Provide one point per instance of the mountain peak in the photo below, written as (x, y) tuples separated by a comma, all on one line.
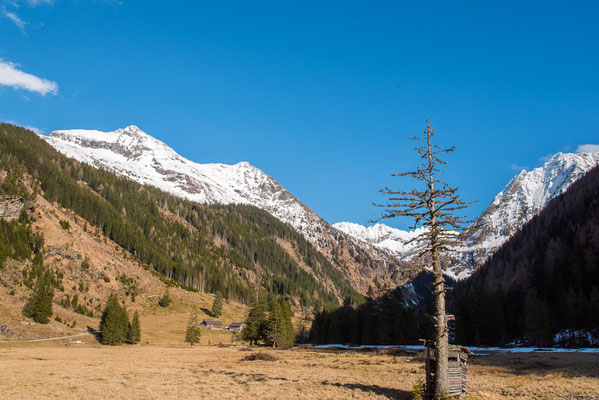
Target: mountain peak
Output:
[(133, 153), (132, 130)]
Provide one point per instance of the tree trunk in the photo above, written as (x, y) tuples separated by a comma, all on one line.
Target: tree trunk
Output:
[(441, 334)]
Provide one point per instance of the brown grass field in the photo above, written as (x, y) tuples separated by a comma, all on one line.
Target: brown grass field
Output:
[(91, 371)]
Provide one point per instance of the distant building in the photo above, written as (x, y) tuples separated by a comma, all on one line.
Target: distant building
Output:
[(235, 326), (212, 324)]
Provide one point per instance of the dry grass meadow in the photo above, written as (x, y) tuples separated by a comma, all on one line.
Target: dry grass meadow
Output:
[(77, 371)]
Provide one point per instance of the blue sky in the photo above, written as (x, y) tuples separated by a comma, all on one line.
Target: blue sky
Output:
[(320, 95)]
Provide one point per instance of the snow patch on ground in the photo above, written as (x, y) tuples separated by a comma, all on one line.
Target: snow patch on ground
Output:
[(472, 349)]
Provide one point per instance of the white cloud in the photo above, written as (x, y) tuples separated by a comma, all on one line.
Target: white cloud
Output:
[(34, 129), (517, 167), (16, 20), (34, 3), (14, 4), (588, 148), (11, 76)]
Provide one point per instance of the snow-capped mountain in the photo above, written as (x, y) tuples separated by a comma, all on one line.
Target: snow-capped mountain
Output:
[(134, 154), (523, 197)]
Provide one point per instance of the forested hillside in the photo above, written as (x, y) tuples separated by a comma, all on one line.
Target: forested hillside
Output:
[(382, 321), (207, 248), (543, 281), (540, 288)]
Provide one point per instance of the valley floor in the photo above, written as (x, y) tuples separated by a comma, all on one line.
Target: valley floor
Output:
[(76, 371)]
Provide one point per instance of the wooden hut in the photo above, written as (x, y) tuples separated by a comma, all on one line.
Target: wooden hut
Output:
[(212, 324), (236, 326), (457, 370)]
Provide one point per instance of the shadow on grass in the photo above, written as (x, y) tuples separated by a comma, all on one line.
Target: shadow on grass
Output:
[(207, 312), (389, 393), (95, 333)]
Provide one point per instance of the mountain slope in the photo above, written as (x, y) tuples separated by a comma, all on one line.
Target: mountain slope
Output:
[(131, 153), (522, 198), (543, 280), (207, 248)]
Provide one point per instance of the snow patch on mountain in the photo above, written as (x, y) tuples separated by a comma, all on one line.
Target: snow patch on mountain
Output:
[(132, 153), (396, 241)]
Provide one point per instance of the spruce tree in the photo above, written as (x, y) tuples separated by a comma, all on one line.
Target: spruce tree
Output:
[(274, 323), (193, 333), (134, 329), (217, 305), (288, 337), (279, 328), (39, 305), (255, 323), (114, 323)]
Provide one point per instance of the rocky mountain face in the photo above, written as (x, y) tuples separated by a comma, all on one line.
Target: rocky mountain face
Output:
[(396, 241), (522, 198), (12, 206), (134, 154)]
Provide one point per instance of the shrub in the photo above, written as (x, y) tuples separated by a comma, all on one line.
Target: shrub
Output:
[(260, 356), (165, 300)]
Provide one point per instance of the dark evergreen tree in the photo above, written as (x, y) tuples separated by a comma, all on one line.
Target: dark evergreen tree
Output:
[(274, 323), (134, 329), (114, 323), (279, 328), (217, 304), (256, 319), (288, 337), (39, 305), (193, 333)]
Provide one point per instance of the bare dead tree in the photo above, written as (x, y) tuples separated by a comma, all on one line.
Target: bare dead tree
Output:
[(434, 208)]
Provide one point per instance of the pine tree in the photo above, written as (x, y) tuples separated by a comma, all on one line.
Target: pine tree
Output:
[(193, 333), (279, 328), (433, 208), (134, 329), (288, 337), (217, 305), (165, 300), (274, 323), (39, 305), (114, 323), (255, 322)]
